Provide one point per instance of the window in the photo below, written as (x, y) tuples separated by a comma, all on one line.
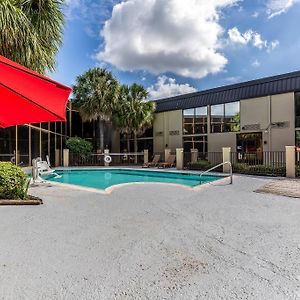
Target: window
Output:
[(225, 117), (195, 142), (297, 109), (195, 121), (232, 116), (217, 118)]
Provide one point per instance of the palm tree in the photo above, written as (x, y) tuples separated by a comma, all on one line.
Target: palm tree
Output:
[(31, 32), (96, 94), (134, 114)]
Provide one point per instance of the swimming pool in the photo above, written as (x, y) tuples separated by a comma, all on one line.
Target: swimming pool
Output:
[(104, 178)]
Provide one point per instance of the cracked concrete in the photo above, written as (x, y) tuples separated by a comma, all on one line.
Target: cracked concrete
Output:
[(152, 242)]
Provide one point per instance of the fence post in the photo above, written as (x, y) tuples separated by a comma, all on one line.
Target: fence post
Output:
[(106, 153), (194, 155), (290, 163), (179, 158), (146, 156), (226, 157), (167, 153), (66, 158)]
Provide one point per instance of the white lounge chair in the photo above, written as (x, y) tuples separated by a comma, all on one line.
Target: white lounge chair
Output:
[(44, 167)]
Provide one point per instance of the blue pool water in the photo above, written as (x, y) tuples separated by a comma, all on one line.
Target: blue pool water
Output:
[(102, 179)]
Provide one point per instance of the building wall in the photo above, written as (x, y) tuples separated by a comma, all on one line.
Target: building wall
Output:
[(283, 110), (216, 141), (167, 130), (256, 115)]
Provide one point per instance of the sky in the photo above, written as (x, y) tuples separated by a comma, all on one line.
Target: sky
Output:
[(175, 47)]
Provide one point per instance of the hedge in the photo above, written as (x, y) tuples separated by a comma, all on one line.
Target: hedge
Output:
[(13, 182)]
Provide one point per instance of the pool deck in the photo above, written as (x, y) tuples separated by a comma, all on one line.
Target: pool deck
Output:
[(152, 241)]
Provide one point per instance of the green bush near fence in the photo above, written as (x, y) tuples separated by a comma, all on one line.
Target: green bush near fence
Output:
[(13, 182), (200, 165), (258, 169), (298, 171), (79, 146)]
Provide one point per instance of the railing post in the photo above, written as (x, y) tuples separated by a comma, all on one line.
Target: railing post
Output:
[(226, 157), (66, 157), (167, 153), (146, 156), (290, 163), (106, 153), (179, 158), (194, 155)]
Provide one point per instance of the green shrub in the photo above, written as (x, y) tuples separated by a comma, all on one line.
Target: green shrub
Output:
[(13, 182), (200, 165), (258, 169), (79, 146)]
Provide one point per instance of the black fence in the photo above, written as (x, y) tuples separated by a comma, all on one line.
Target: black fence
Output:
[(298, 163), (114, 159), (202, 161), (268, 163)]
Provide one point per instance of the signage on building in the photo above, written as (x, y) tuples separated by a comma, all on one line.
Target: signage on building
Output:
[(159, 133), (174, 132)]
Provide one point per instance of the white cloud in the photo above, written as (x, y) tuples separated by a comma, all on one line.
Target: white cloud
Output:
[(255, 63), (278, 7), (168, 87), (255, 14), (161, 36), (251, 37)]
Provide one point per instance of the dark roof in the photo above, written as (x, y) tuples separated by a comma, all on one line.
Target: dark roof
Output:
[(279, 84)]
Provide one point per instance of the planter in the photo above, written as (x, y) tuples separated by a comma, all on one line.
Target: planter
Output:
[(32, 200)]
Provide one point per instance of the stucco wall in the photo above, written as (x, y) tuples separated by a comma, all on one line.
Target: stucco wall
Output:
[(167, 129), (283, 110), (216, 141), (255, 111)]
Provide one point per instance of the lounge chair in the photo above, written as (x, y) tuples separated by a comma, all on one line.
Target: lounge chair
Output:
[(44, 167), (152, 163), (169, 163)]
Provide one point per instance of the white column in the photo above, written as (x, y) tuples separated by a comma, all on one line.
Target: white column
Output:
[(194, 155), (179, 158), (106, 153), (66, 157), (226, 157), (167, 153), (290, 163), (146, 156)]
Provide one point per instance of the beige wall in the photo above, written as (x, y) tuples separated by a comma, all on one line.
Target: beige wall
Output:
[(255, 111), (283, 110), (163, 124), (216, 141)]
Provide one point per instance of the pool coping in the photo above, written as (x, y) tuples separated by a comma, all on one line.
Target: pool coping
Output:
[(112, 188)]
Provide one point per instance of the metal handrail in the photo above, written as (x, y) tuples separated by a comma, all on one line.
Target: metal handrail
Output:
[(219, 165)]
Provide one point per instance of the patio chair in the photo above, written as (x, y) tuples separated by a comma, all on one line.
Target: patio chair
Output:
[(169, 163), (44, 167), (152, 163)]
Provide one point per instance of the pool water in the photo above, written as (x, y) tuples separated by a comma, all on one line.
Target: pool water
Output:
[(102, 179)]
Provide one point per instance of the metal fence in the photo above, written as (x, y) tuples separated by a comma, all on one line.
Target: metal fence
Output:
[(298, 163), (117, 159), (269, 163), (202, 161)]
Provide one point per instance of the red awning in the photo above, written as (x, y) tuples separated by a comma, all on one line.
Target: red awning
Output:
[(28, 97)]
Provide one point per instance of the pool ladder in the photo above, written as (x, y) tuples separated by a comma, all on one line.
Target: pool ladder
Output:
[(219, 165)]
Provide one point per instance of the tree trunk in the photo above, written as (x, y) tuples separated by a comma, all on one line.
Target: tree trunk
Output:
[(135, 148), (101, 134)]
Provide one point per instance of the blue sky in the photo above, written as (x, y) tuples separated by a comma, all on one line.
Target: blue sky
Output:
[(175, 46)]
